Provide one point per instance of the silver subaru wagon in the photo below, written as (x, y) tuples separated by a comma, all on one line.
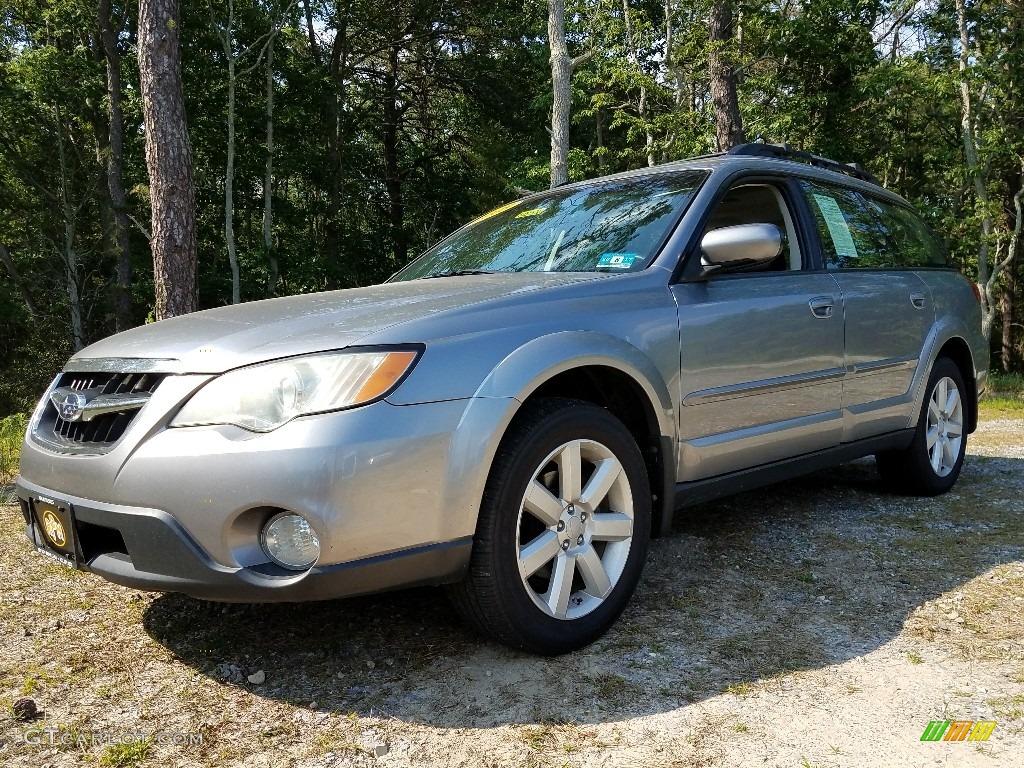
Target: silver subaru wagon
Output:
[(521, 409)]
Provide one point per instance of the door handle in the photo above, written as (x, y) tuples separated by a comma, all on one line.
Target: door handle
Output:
[(821, 307), (917, 299)]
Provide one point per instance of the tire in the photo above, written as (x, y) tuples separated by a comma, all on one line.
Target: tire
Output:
[(557, 553), (931, 464)]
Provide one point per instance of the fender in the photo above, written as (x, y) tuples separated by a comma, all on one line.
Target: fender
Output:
[(498, 398), (537, 361)]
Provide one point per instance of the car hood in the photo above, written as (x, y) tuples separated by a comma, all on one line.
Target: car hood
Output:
[(216, 340)]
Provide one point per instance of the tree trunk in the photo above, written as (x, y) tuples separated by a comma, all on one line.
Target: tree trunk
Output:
[(392, 171), (728, 123), (561, 87), (986, 278), (168, 158), (675, 73), (1006, 310), (68, 254), (229, 185), (336, 133), (314, 49), (115, 171), (70, 258), (268, 180), (634, 58)]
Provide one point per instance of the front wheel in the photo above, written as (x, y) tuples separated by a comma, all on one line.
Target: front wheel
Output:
[(932, 462), (563, 530)]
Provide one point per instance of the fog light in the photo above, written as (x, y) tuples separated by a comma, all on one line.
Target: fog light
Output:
[(290, 542)]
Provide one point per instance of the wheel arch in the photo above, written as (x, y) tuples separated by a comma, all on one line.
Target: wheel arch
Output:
[(949, 337), (957, 350), (610, 373)]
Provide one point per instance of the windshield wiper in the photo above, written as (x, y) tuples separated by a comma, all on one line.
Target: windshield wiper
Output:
[(458, 273)]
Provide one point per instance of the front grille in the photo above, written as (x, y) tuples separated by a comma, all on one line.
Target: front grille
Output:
[(102, 429)]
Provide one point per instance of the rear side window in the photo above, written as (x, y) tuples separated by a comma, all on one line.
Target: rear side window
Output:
[(912, 242), (851, 235)]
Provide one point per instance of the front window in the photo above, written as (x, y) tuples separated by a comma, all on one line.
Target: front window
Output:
[(609, 226)]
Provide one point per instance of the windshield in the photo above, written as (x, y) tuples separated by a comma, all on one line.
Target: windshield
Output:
[(611, 226)]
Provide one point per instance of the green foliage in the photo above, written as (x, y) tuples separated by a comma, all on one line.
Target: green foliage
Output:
[(395, 124), (12, 432)]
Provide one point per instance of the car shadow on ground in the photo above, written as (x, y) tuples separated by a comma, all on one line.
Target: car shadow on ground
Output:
[(795, 577)]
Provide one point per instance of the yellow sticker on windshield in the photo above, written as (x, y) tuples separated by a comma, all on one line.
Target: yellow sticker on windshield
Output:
[(529, 212), (496, 211)]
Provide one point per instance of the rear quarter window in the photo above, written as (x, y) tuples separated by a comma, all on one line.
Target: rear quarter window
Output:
[(913, 244)]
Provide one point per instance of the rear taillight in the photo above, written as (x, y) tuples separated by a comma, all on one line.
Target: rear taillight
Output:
[(977, 291)]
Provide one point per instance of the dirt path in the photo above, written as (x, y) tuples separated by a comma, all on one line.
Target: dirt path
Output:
[(822, 623)]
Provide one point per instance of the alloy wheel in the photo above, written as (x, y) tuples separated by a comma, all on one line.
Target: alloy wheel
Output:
[(945, 426), (575, 529)]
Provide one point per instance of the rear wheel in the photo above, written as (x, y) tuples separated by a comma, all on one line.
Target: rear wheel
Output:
[(563, 530), (932, 462)]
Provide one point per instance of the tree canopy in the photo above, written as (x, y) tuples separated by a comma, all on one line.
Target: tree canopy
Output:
[(361, 133)]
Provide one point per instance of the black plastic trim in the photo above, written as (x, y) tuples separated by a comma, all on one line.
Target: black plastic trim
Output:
[(700, 491), (786, 152)]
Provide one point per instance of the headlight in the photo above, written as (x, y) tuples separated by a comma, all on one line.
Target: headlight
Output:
[(264, 397)]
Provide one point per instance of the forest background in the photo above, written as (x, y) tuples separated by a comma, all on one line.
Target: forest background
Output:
[(331, 141)]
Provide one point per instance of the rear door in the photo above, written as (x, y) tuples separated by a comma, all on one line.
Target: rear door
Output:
[(761, 353), (888, 309)]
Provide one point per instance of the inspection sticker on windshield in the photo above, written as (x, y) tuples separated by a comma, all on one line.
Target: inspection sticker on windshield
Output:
[(617, 260)]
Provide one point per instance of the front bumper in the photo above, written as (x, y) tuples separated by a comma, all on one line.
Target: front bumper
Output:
[(147, 549), (391, 491)]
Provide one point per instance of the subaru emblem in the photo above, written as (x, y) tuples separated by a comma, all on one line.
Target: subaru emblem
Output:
[(69, 405)]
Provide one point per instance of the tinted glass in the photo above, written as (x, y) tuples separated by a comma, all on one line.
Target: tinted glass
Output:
[(851, 236), (613, 226), (913, 243)]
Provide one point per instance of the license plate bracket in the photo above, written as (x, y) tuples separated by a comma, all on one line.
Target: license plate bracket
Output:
[(55, 533)]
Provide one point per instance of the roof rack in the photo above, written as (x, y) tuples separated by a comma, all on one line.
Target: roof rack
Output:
[(786, 152)]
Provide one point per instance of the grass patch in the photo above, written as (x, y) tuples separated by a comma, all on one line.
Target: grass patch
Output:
[(537, 737), (740, 689), (982, 619), (125, 755), (1006, 383), (1000, 407), (610, 686), (1005, 398), (915, 658), (557, 736), (1008, 707)]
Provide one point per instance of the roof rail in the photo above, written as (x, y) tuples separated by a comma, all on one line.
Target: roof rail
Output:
[(786, 152)]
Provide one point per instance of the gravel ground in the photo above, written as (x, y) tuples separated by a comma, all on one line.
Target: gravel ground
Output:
[(818, 623)]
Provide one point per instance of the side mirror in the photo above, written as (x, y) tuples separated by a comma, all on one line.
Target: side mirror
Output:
[(741, 246)]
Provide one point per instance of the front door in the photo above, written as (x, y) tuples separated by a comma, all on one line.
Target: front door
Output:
[(761, 353)]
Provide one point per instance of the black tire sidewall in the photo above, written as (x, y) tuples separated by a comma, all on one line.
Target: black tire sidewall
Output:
[(574, 421)]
